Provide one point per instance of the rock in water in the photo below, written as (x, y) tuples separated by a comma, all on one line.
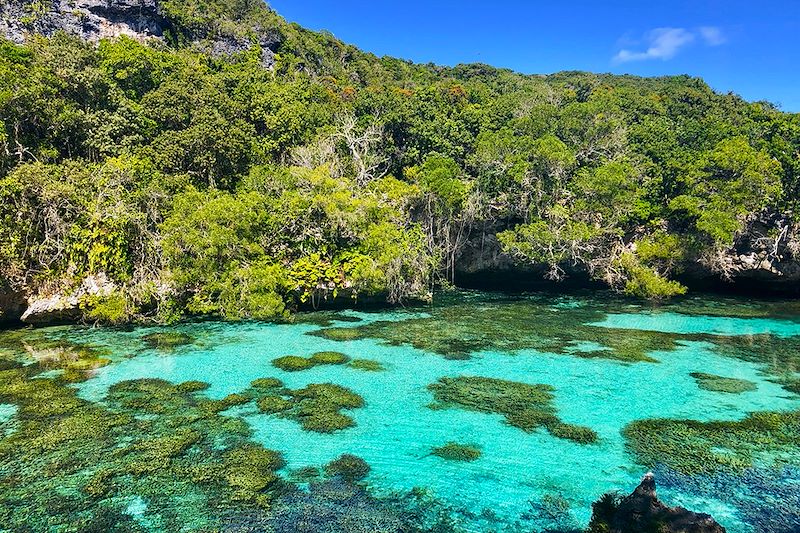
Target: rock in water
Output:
[(642, 511)]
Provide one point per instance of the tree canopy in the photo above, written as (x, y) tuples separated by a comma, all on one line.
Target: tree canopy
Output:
[(209, 184)]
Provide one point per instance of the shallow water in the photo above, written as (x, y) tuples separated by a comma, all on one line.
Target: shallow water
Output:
[(609, 362)]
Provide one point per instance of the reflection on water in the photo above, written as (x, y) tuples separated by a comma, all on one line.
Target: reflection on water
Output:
[(559, 400)]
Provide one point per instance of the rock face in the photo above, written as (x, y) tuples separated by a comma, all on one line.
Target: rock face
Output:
[(93, 20), (58, 308), (90, 19), (766, 256), (642, 511), (12, 304)]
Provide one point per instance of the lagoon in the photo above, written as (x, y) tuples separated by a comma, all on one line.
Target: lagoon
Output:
[(600, 363)]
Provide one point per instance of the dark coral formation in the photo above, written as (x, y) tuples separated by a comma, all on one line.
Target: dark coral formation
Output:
[(524, 406), (317, 407), (453, 451), (714, 383), (693, 447)]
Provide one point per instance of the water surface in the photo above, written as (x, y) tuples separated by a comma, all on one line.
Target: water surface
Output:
[(609, 362)]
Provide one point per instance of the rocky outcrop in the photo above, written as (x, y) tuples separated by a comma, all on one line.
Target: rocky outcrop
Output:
[(643, 511), (764, 257), (230, 45), (769, 250), (89, 19), (142, 20), (59, 308)]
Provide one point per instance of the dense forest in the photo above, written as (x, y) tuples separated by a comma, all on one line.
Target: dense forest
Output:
[(245, 182)]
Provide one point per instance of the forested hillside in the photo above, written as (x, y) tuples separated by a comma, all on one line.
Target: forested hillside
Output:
[(228, 163)]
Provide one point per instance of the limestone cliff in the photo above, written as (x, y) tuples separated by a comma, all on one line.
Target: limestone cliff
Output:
[(142, 20)]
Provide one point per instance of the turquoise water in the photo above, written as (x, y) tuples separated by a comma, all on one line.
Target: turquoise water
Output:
[(396, 430)]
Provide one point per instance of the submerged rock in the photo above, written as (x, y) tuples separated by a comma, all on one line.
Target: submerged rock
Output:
[(643, 511)]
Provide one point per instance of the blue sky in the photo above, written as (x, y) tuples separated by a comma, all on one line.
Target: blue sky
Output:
[(748, 47)]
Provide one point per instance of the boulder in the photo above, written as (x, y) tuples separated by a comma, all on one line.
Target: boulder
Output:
[(643, 511), (59, 307)]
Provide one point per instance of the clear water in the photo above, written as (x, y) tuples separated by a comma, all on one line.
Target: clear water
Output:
[(396, 430)]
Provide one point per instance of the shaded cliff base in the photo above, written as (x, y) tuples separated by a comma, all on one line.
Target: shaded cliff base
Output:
[(17, 309), (528, 280)]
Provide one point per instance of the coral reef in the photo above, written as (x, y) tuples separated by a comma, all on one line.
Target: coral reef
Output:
[(329, 358), (692, 447), (339, 334), (293, 363), (524, 406), (458, 330), (767, 499), (452, 451), (167, 340), (317, 407), (367, 365), (714, 383), (349, 467), (71, 463)]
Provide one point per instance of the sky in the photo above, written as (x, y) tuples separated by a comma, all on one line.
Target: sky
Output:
[(748, 47)]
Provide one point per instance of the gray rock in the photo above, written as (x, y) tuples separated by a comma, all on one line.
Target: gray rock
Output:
[(55, 308), (89, 19), (142, 20)]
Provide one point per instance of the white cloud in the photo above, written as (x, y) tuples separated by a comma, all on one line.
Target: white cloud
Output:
[(712, 35), (665, 43)]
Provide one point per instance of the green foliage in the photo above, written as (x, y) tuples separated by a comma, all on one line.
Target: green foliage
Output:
[(644, 282), (168, 170), (114, 308), (439, 176), (726, 184)]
